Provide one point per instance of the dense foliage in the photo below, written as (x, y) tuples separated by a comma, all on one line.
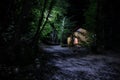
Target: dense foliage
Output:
[(24, 23)]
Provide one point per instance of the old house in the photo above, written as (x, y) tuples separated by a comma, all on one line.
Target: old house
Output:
[(79, 36)]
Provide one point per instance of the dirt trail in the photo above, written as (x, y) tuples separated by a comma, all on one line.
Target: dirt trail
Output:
[(65, 64)]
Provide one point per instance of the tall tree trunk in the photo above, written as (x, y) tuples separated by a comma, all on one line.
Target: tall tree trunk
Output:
[(49, 11), (38, 32), (20, 21), (36, 36)]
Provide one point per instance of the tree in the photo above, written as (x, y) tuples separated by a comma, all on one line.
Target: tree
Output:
[(55, 18), (21, 24), (90, 16), (17, 24), (107, 22)]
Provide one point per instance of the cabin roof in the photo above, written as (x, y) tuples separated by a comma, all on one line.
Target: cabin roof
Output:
[(76, 28)]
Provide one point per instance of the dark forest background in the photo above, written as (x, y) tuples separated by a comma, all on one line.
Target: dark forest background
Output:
[(24, 24)]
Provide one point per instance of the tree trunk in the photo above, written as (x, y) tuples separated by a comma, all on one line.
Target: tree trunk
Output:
[(38, 32), (36, 36)]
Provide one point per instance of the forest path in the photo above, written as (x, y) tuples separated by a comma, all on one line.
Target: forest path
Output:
[(62, 63)]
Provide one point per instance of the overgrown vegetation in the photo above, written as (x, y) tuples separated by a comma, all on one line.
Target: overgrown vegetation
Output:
[(24, 23)]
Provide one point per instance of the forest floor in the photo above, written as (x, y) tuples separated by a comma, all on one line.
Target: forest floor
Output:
[(63, 63), (75, 63)]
